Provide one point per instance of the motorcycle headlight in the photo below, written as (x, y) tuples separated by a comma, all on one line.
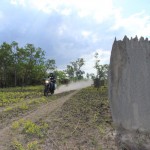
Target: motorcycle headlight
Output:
[(46, 81)]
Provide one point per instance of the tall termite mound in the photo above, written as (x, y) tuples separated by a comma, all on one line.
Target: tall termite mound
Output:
[(129, 91)]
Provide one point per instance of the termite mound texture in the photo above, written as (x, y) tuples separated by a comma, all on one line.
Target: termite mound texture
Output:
[(129, 84)]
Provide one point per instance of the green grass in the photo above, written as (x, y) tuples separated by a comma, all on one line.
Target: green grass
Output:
[(19, 103), (83, 122), (9, 96)]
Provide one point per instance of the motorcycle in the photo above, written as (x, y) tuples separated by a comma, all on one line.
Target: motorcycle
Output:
[(49, 87)]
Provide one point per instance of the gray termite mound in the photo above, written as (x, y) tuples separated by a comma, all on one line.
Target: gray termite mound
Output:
[(129, 84)]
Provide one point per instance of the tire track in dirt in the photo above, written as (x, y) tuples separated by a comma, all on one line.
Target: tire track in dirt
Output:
[(6, 133), (46, 109)]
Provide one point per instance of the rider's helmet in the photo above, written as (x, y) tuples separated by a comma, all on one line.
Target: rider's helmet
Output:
[(51, 74)]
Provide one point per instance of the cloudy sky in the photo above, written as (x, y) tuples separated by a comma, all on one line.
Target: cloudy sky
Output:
[(71, 29)]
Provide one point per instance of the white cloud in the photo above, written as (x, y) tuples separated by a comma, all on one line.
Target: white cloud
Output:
[(92, 36), (104, 57), (66, 12), (62, 29), (3, 21), (1, 15), (85, 34), (18, 2), (99, 10), (95, 38), (14, 2), (136, 24)]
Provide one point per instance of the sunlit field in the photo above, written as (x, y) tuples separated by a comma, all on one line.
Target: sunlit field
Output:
[(9, 96), (83, 122)]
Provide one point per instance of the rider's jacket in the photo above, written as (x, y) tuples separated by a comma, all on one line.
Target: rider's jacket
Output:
[(52, 79)]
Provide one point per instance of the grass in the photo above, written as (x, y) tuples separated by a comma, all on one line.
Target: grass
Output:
[(83, 122), (9, 96), (23, 102)]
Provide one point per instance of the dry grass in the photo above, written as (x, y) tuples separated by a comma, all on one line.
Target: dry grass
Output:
[(82, 122)]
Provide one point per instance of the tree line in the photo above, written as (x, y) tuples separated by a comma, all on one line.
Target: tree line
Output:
[(20, 65), (28, 66)]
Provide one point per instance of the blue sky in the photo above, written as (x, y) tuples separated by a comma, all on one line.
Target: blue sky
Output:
[(71, 29)]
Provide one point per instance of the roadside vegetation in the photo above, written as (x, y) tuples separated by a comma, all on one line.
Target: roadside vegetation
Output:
[(16, 102), (83, 122)]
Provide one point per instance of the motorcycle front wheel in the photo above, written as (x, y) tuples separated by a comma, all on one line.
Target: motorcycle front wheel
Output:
[(52, 91), (45, 92)]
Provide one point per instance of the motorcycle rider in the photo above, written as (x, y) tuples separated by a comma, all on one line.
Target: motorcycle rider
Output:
[(52, 80)]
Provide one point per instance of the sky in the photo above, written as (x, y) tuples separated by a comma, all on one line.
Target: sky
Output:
[(70, 29)]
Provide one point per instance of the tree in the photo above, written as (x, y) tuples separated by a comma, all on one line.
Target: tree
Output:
[(76, 68), (29, 64), (21, 65), (87, 75), (62, 77), (34, 62), (102, 70), (14, 46), (50, 65), (6, 58), (70, 71)]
